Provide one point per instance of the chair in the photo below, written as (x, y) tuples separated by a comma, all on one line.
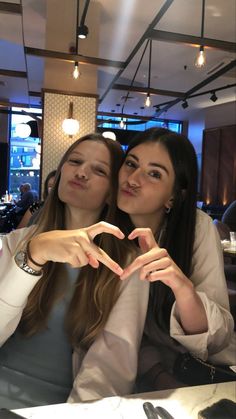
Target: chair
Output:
[(223, 229), (229, 216)]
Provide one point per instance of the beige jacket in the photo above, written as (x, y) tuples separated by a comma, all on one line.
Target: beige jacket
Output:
[(110, 365), (218, 344)]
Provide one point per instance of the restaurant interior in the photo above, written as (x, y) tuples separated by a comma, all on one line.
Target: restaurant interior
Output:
[(71, 67)]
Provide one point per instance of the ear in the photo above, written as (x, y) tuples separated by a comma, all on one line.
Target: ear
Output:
[(169, 203)]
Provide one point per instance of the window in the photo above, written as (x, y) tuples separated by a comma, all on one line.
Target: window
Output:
[(25, 154)]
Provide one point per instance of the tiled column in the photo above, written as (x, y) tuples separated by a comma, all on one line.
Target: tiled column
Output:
[(55, 142)]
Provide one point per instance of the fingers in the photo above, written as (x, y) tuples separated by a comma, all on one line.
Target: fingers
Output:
[(103, 227), (157, 265), (95, 253), (93, 261), (99, 255), (163, 275), (146, 238), (140, 261)]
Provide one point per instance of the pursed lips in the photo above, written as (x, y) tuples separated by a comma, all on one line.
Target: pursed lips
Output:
[(128, 191), (77, 184)]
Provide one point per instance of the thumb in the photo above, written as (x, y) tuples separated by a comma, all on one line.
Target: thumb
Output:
[(143, 244)]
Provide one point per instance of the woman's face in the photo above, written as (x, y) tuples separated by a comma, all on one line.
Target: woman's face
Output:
[(146, 181), (85, 176)]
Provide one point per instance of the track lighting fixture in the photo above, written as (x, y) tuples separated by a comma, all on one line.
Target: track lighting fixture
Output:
[(76, 73), (185, 104), (201, 59), (83, 31), (213, 97)]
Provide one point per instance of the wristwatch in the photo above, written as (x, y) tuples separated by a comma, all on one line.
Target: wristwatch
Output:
[(21, 261)]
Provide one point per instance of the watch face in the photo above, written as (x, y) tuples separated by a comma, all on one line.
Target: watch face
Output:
[(21, 261), (20, 257)]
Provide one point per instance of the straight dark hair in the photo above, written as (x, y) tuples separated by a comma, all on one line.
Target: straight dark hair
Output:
[(179, 226)]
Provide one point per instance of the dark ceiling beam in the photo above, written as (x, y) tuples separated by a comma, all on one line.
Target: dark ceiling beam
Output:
[(206, 92), (199, 86), (138, 89), (122, 115), (17, 104), (73, 57), (10, 112), (154, 22), (35, 94), (13, 73), (218, 89), (10, 8), (179, 38), (129, 116)]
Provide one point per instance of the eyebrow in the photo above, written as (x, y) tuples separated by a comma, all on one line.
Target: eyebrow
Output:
[(81, 155), (159, 165)]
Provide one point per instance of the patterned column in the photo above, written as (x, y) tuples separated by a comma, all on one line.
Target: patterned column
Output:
[(55, 142)]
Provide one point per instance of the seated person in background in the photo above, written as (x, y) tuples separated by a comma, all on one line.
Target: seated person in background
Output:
[(229, 216), (188, 313), (34, 208), (14, 215), (27, 198)]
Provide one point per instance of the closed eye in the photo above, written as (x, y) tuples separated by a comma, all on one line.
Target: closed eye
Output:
[(101, 171), (75, 161)]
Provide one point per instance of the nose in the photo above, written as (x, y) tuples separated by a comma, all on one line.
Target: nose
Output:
[(135, 178), (82, 172)]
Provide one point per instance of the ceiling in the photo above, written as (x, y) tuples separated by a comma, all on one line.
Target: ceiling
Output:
[(38, 48)]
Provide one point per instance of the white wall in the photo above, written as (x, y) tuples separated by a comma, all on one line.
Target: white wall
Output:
[(218, 116)]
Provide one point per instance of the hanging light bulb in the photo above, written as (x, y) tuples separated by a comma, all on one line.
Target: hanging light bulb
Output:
[(23, 130), (148, 101), (122, 124), (109, 134), (76, 72), (201, 59)]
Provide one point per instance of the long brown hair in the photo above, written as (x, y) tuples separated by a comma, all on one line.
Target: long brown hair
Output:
[(96, 290)]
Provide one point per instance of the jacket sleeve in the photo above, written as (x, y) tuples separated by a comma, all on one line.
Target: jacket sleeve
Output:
[(109, 367), (210, 284), (15, 285)]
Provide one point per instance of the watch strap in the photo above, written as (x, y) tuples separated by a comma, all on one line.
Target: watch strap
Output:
[(29, 257)]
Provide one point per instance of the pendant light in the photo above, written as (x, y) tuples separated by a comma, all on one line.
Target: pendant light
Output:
[(148, 99), (201, 59), (70, 125)]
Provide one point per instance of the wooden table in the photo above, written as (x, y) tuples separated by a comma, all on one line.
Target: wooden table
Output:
[(182, 403)]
